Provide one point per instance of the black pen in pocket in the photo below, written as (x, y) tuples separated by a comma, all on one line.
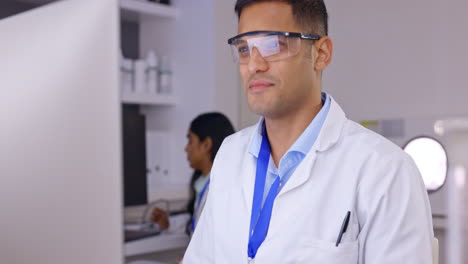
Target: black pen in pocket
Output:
[(344, 227)]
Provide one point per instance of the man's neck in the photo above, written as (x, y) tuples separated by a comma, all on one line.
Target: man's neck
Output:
[(284, 131)]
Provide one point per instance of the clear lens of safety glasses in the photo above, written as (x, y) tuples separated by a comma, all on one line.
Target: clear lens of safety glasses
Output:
[(272, 46)]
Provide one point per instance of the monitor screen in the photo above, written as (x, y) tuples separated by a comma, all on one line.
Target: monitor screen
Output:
[(134, 155)]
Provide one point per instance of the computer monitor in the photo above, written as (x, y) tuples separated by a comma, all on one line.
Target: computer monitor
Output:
[(60, 135), (134, 156)]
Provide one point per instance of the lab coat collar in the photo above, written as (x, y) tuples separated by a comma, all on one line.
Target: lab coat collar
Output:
[(307, 138), (332, 128), (328, 136)]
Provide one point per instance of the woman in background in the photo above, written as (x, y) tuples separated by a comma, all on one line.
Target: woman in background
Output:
[(206, 133)]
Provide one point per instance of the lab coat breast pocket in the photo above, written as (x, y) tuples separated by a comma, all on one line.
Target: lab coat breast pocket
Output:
[(323, 252)]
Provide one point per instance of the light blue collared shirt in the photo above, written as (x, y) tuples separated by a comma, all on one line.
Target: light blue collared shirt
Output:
[(296, 152)]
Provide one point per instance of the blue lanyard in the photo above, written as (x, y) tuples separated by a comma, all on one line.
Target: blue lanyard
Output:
[(200, 197), (260, 217)]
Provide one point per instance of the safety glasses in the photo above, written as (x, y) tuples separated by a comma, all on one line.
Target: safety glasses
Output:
[(272, 45)]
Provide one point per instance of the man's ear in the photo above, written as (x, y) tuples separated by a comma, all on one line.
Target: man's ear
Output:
[(324, 52)]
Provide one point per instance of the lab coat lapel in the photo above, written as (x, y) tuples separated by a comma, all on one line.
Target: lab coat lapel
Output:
[(328, 136), (248, 179), (301, 174)]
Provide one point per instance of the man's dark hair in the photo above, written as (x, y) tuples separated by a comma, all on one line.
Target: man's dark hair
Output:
[(311, 15)]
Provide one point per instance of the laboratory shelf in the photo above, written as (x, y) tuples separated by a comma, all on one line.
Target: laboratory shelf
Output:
[(149, 99), (158, 243), (136, 10)]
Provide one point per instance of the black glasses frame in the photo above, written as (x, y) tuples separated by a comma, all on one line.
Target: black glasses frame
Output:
[(286, 34)]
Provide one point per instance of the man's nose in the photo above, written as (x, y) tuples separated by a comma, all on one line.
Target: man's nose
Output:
[(257, 62)]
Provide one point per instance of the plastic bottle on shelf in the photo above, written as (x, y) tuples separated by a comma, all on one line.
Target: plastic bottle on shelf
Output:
[(152, 72), (140, 85), (126, 74), (165, 76)]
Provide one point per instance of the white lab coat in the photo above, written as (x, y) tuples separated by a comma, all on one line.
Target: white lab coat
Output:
[(349, 168)]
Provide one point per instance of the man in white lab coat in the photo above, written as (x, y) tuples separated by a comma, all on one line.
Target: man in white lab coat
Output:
[(305, 185)]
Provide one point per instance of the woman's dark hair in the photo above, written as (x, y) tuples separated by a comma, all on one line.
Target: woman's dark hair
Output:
[(216, 126)]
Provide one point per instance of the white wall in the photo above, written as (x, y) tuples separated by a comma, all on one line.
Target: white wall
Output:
[(60, 157), (226, 74), (399, 58)]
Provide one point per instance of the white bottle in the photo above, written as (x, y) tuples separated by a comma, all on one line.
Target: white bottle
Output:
[(140, 85), (126, 75), (165, 76), (152, 72)]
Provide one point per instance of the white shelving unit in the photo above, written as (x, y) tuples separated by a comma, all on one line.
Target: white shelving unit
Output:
[(136, 10), (149, 99), (192, 33), (156, 106), (162, 242), (140, 11)]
